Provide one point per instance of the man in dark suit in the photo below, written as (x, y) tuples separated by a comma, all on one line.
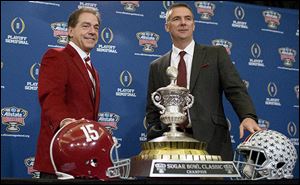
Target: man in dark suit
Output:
[(68, 89), (210, 73)]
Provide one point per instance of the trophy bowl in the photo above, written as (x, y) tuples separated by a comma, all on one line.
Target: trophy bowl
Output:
[(173, 102)]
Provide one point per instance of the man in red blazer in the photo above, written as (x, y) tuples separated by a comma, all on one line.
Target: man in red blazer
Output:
[(67, 90)]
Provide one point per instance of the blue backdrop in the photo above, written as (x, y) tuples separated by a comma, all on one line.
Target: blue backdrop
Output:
[(263, 43)]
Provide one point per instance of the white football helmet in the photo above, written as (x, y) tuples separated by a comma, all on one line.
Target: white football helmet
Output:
[(265, 154)]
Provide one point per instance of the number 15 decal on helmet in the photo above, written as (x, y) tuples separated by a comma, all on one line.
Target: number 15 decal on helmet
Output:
[(85, 149)]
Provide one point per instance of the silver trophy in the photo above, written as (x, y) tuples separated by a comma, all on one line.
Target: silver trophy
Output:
[(174, 102), (176, 154)]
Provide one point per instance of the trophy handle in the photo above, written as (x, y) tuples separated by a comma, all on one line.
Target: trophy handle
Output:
[(156, 99), (189, 101)]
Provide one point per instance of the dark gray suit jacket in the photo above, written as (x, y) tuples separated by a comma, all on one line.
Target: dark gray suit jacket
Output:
[(212, 75)]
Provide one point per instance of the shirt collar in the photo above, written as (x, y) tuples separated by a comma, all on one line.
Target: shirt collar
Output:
[(189, 49), (81, 53)]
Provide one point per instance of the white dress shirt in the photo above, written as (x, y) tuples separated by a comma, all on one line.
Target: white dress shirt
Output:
[(188, 57)]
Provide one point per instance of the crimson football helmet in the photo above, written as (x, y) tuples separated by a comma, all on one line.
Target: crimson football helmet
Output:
[(265, 154), (85, 149)]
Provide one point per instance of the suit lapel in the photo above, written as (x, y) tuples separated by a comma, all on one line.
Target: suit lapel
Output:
[(198, 60), (97, 95), (80, 65)]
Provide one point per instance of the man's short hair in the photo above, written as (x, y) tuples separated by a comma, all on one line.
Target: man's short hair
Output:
[(175, 5), (73, 19)]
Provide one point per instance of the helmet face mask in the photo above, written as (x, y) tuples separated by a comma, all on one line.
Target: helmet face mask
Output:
[(85, 149), (120, 168), (266, 154), (250, 164)]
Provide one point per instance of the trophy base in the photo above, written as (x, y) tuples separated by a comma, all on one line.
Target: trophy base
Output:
[(214, 170), (175, 151), (163, 157)]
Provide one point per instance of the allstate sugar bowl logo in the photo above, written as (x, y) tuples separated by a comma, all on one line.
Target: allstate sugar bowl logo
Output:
[(13, 117), (272, 18), (130, 6), (148, 40), (224, 43), (287, 56), (205, 9), (109, 120), (60, 31)]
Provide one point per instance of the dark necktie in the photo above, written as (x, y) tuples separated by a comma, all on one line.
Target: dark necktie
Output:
[(181, 79), (92, 72), (182, 82)]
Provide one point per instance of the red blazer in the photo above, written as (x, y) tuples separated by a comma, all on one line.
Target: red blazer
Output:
[(64, 91)]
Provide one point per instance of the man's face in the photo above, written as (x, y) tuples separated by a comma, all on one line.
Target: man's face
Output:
[(181, 24), (86, 32)]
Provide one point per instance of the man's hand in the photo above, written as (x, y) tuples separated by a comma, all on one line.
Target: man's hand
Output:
[(250, 125)]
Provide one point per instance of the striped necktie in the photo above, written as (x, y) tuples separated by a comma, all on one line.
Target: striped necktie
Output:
[(92, 73)]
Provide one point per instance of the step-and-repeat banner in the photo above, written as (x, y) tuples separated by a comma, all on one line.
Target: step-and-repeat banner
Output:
[(262, 42)]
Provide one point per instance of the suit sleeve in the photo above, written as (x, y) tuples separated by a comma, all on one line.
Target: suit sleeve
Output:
[(234, 88), (52, 88)]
